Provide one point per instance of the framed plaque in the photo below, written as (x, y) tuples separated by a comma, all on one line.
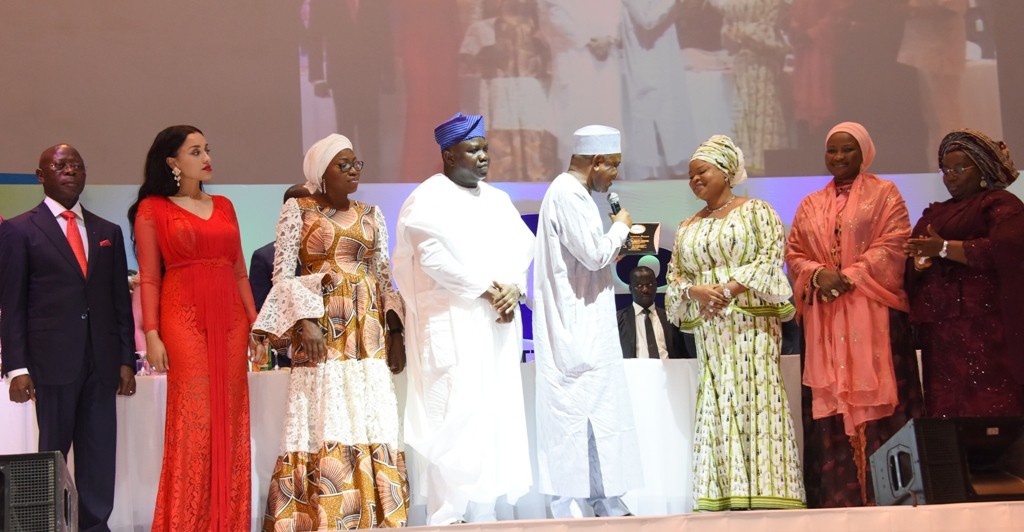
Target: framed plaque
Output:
[(642, 240)]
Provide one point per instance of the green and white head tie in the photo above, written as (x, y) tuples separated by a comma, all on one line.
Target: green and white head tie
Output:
[(720, 151)]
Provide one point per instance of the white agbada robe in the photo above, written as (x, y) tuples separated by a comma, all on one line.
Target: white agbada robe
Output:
[(658, 133), (580, 374), (464, 417), (584, 90)]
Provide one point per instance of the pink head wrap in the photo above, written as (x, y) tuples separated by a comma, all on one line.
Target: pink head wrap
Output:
[(860, 134)]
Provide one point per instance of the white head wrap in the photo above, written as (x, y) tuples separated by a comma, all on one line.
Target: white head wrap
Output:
[(319, 156), (597, 140)]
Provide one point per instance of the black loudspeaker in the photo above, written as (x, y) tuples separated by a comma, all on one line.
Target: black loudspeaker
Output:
[(37, 493), (934, 461)]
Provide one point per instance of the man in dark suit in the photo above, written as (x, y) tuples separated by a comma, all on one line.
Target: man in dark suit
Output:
[(642, 320), (67, 327), (261, 274)]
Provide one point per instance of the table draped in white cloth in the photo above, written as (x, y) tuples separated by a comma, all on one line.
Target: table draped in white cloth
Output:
[(663, 395)]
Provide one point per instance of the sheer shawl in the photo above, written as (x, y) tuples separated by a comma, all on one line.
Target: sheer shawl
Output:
[(848, 355)]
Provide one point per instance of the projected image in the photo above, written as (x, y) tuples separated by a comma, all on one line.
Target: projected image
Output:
[(773, 74)]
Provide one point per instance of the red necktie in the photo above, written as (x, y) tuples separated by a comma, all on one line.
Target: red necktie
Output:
[(75, 239)]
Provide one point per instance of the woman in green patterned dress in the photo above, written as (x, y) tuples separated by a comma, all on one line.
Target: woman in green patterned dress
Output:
[(726, 285)]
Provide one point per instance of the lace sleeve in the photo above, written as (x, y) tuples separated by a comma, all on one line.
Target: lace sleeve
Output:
[(381, 267), (292, 298), (147, 248)]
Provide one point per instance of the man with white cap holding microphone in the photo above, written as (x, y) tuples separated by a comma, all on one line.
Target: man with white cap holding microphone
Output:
[(586, 441)]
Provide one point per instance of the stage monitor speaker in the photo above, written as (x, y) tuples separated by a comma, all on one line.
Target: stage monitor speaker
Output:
[(934, 461), (37, 493)]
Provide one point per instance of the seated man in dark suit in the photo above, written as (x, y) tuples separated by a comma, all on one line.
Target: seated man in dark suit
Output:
[(642, 320), (261, 272)]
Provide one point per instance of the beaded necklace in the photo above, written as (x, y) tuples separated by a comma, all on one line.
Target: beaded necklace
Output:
[(726, 204)]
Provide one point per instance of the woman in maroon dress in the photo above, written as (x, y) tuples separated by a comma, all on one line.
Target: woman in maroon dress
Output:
[(967, 282)]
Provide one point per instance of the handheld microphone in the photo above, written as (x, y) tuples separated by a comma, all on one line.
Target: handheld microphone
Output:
[(613, 202)]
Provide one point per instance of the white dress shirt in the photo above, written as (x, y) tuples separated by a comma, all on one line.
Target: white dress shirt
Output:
[(57, 208), (641, 332)]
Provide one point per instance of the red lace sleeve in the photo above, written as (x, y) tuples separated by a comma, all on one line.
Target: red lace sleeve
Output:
[(147, 248)]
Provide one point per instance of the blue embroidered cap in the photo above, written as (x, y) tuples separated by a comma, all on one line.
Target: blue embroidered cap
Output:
[(459, 128)]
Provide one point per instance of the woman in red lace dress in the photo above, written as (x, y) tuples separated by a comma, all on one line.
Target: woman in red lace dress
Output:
[(197, 308)]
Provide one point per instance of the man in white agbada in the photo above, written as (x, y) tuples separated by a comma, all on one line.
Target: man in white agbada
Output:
[(461, 259), (586, 441)]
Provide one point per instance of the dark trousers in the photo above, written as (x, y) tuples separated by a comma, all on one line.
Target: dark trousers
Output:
[(83, 414)]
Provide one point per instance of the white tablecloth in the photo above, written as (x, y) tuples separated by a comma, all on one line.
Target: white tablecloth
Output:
[(663, 395)]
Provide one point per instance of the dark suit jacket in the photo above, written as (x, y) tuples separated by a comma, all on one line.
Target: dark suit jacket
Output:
[(261, 272), (627, 334), (50, 309), (261, 279)]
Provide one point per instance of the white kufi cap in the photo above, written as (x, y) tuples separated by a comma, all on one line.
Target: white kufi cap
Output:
[(597, 140)]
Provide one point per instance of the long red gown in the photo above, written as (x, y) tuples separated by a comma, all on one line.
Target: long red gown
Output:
[(196, 293)]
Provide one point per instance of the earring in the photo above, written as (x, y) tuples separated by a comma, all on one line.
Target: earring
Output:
[(984, 184), (177, 176)]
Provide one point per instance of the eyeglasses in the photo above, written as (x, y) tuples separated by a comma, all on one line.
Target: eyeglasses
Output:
[(346, 166), (60, 166), (957, 170)]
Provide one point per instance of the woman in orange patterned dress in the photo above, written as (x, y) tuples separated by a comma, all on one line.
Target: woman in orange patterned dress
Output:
[(340, 467), (197, 308)]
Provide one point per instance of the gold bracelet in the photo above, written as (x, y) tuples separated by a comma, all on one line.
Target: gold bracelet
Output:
[(814, 277)]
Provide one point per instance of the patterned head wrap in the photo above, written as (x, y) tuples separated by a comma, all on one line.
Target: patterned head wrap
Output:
[(458, 128), (860, 134), (720, 151), (319, 156), (992, 158)]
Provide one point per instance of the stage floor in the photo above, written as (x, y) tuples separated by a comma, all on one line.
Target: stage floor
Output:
[(967, 517)]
